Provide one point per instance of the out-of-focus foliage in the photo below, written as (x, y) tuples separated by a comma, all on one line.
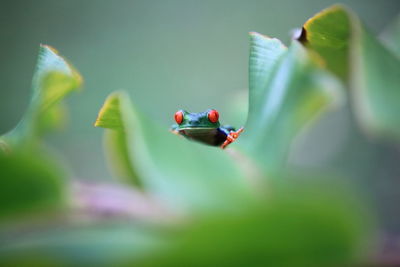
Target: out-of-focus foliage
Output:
[(283, 103), (303, 228), (371, 70), (67, 243), (235, 207), (29, 185), (31, 182), (328, 33), (54, 78)]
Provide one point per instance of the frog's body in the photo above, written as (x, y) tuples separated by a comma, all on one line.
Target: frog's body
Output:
[(209, 136), (204, 127)]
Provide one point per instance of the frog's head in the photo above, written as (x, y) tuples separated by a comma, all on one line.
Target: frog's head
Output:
[(198, 121)]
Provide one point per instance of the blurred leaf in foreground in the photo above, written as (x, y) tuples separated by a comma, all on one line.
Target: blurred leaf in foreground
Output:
[(54, 78), (298, 225), (77, 244), (339, 37), (30, 182), (29, 185)]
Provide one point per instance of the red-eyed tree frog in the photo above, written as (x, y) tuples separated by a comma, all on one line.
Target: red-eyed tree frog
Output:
[(204, 127)]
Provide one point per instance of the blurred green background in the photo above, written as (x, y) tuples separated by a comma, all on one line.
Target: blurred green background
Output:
[(166, 54)]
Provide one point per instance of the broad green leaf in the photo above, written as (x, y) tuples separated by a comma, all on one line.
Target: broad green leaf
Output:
[(339, 37), (115, 140), (182, 173), (54, 78), (29, 185), (53, 119), (329, 38), (297, 91), (264, 55), (375, 85)]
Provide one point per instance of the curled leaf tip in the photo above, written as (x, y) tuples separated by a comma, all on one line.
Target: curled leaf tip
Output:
[(263, 37), (332, 9), (52, 49), (256, 34), (109, 114), (303, 36)]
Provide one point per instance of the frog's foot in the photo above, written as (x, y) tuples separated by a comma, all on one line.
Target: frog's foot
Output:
[(174, 132), (231, 137)]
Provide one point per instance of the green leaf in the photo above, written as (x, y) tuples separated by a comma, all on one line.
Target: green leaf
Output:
[(327, 33), (297, 91), (182, 173), (339, 37), (54, 78), (29, 185), (375, 85), (298, 225), (53, 119), (264, 55), (98, 243), (115, 140)]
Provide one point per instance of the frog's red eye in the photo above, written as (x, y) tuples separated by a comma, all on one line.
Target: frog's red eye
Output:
[(179, 117), (213, 116)]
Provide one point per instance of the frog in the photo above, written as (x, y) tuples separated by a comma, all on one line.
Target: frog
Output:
[(204, 127)]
